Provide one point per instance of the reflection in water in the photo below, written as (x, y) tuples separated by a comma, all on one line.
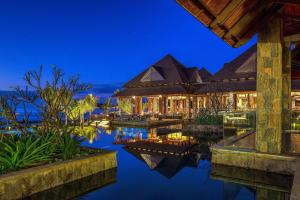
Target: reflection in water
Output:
[(148, 175), (79, 187), (265, 185)]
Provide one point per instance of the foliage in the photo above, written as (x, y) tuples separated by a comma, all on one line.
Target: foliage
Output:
[(124, 105), (145, 106), (207, 118), (107, 105), (25, 151), (91, 103), (53, 138), (68, 145), (50, 98), (8, 107), (88, 132), (77, 109)]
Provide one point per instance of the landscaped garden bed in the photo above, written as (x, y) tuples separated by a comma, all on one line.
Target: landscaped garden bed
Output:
[(48, 154), (26, 182)]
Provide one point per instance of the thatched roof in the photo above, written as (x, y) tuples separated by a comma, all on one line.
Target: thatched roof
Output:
[(167, 76), (243, 66), (167, 71)]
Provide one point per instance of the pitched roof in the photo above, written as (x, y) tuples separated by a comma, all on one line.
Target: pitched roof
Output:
[(204, 74), (168, 67), (243, 66), (168, 71)]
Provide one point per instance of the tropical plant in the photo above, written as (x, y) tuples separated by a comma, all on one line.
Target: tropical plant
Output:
[(145, 106), (25, 151), (107, 105), (205, 117), (68, 145), (50, 98), (124, 105), (91, 104)]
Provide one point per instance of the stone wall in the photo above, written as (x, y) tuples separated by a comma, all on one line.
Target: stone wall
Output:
[(27, 182), (254, 160)]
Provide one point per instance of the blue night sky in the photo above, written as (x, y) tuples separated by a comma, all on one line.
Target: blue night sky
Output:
[(105, 42)]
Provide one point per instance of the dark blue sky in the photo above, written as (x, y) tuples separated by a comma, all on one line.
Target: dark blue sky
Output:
[(106, 42)]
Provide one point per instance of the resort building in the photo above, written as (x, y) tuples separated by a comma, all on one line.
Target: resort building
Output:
[(164, 88), (169, 88), (235, 83)]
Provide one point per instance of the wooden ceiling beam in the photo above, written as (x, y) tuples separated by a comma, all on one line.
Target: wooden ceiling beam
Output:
[(197, 10), (228, 10), (244, 21), (292, 38), (256, 25)]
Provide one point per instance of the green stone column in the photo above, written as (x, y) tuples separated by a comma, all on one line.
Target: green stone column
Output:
[(273, 89)]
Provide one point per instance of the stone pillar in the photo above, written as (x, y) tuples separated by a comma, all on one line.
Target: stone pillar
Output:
[(287, 99), (273, 89)]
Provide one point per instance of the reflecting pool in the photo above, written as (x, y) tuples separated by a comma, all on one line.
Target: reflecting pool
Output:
[(175, 178), (151, 175)]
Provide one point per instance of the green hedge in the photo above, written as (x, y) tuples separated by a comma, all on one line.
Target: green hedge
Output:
[(209, 120)]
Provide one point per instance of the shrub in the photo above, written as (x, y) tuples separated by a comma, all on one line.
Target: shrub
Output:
[(68, 145), (25, 151), (209, 119)]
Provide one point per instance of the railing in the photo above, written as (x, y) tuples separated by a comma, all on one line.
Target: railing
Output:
[(239, 128), (292, 134)]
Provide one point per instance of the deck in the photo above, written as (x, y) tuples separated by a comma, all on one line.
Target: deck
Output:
[(146, 124), (160, 148)]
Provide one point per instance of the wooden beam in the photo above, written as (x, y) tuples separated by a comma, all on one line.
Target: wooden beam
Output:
[(250, 14), (228, 10), (292, 38), (257, 24)]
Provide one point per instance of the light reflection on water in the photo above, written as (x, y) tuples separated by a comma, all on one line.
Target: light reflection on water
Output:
[(136, 180)]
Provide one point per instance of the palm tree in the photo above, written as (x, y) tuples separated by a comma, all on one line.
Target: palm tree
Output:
[(91, 104), (107, 104)]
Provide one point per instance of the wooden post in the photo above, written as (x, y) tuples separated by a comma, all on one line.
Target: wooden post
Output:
[(273, 89), (195, 106)]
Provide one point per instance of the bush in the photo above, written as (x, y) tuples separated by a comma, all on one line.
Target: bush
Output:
[(209, 119), (25, 151), (68, 145)]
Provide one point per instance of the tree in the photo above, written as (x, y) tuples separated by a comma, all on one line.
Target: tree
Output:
[(51, 98), (107, 105), (91, 104), (124, 105)]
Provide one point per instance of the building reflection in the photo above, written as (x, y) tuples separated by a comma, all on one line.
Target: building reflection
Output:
[(165, 135)]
